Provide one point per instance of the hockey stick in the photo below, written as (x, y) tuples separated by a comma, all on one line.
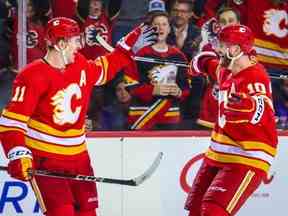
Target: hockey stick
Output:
[(109, 48), (130, 182), (38, 194)]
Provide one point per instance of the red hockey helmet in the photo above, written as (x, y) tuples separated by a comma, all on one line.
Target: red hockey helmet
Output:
[(238, 34), (59, 28)]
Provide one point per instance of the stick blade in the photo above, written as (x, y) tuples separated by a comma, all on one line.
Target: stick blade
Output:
[(149, 172)]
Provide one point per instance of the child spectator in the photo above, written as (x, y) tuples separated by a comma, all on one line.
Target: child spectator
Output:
[(156, 89)]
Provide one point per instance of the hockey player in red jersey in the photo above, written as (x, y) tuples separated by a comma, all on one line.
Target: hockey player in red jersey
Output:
[(209, 104), (244, 139), (43, 125)]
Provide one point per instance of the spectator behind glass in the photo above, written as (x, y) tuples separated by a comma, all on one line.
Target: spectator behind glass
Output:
[(93, 118), (7, 75), (36, 23), (281, 105), (4, 41), (132, 13), (110, 106), (95, 19), (209, 103), (157, 89), (184, 34), (113, 115)]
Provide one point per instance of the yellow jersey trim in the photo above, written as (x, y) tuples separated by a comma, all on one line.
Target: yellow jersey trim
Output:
[(15, 116), (205, 123), (44, 128), (224, 158), (6, 129), (270, 45), (241, 189), (272, 60), (247, 145), (54, 149)]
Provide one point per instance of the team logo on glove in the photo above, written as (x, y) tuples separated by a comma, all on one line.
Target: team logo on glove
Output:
[(92, 31)]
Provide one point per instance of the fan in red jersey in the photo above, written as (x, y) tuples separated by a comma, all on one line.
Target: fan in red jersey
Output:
[(36, 23), (96, 19), (156, 89), (42, 127), (244, 139)]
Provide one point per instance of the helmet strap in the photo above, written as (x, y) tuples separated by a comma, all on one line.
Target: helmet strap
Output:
[(63, 54), (232, 58)]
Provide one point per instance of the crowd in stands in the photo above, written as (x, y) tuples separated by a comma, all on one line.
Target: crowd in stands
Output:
[(138, 99)]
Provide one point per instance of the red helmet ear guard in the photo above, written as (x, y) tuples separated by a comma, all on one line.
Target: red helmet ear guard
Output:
[(61, 27), (238, 34)]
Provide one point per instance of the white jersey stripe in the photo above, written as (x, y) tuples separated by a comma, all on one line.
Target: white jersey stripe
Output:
[(55, 140), (271, 53), (239, 151), (12, 123)]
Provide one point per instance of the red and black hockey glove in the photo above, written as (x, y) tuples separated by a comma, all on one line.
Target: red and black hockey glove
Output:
[(197, 64), (243, 108)]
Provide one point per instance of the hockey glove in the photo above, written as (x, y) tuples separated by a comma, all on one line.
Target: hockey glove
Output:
[(243, 108), (197, 64), (20, 161), (90, 35), (141, 36)]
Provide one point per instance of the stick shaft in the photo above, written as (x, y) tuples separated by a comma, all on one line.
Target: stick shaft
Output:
[(109, 48), (38, 195), (129, 182)]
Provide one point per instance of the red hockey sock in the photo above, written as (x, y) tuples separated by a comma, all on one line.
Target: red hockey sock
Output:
[(61, 210), (212, 209), (87, 213)]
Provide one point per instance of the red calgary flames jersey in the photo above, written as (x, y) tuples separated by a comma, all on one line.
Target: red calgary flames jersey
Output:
[(269, 23), (245, 143), (48, 107)]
